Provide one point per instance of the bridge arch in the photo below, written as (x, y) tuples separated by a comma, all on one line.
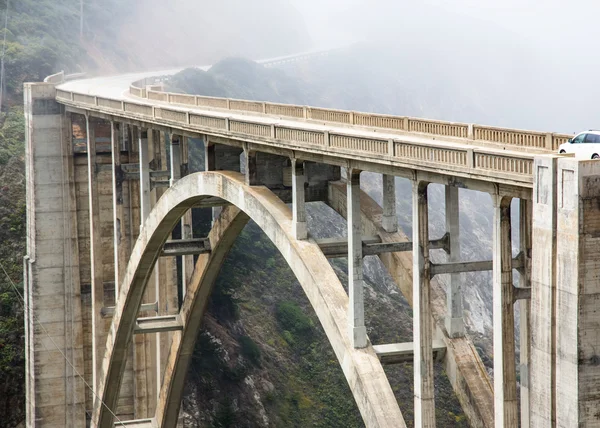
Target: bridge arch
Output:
[(361, 367)]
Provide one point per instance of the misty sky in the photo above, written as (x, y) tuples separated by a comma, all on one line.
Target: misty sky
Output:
[(524, 63)]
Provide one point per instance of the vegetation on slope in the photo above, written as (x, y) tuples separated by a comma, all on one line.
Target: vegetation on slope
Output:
[(42, 38), (262, 356)]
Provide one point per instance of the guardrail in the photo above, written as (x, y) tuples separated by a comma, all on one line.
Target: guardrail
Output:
[(55, 78), (517, 138), (488, 162)]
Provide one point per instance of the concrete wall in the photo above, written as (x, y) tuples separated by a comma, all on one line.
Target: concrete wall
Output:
[(54, 351)]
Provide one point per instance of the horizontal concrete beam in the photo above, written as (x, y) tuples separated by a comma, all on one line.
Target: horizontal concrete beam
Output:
[(372, 245), (138, 423), (158, 324), (186, 247), (108, 311), (461, 267), (394, 353), (521, 293)]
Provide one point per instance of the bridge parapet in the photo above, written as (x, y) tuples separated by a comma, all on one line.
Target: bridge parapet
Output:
[(249, 120), (465, 131)]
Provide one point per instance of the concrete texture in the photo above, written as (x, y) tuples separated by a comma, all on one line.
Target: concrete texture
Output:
[(53, 328), (505, 376), (422, 323), (455, 324), (362, 369), (463, 365), (577, 293)]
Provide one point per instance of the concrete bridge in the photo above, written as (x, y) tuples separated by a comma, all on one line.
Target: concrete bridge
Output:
[(109, 335)]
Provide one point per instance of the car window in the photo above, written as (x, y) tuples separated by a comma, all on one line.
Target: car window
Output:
[(578, 139), (592, 138)]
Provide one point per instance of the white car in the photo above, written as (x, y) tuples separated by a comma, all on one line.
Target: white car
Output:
[(585, 145)]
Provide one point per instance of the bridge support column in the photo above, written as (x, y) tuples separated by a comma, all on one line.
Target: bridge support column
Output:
[(525, 215), (389, 220), (187, 262), (356, 306), (578, 293), (505, 376), (146, 348), (543, 294), (55, 394), (422, 323), (455, 325), (96, 256), (298, 200), (120, 235), (145, 205), (175, 159)]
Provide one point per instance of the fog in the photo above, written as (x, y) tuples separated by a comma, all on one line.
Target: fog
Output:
[(520, 63)]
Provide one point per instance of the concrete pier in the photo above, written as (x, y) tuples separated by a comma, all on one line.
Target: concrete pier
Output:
[(422, 326), (455, 324), (298, 200), (389, 221), (543, 295), (525, 226), (577, 293), (505, 376), (356, 307), (54, 352)]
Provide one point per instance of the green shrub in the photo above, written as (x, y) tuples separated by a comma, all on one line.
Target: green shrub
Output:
[(250, 350)]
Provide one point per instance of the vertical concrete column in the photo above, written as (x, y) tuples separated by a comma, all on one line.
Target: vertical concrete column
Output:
[(186, 221), (543, 294), (96, 256), (356, 307), (54, 392), (121, 249), (578, 293), (298, 200), (389, 222), (505, 376), (525, 213), (175, 159), (144, 175), (455, 325), (422, 326), (251, 167)]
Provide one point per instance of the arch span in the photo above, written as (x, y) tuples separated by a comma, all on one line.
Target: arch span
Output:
[(367, 380)]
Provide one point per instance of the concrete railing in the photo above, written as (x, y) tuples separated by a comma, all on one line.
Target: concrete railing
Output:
[(469, 132), (55, 78), (489, 162)]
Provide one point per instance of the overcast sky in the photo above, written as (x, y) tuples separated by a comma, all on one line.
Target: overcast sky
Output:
[(537, 61)]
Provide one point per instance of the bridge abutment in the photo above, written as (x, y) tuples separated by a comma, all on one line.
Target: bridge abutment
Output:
[(577, 293), (53, 318)]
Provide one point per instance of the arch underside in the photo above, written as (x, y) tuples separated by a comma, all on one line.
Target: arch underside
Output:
[(361, 367)]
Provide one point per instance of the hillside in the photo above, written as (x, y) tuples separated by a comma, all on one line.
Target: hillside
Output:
[(270, 312)]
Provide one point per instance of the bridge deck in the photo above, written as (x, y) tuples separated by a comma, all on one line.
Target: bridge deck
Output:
[(449, 153)]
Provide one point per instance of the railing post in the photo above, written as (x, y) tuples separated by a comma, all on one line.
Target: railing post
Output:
[(422, 323), (549, 142), (391, 148), (356, 309)]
